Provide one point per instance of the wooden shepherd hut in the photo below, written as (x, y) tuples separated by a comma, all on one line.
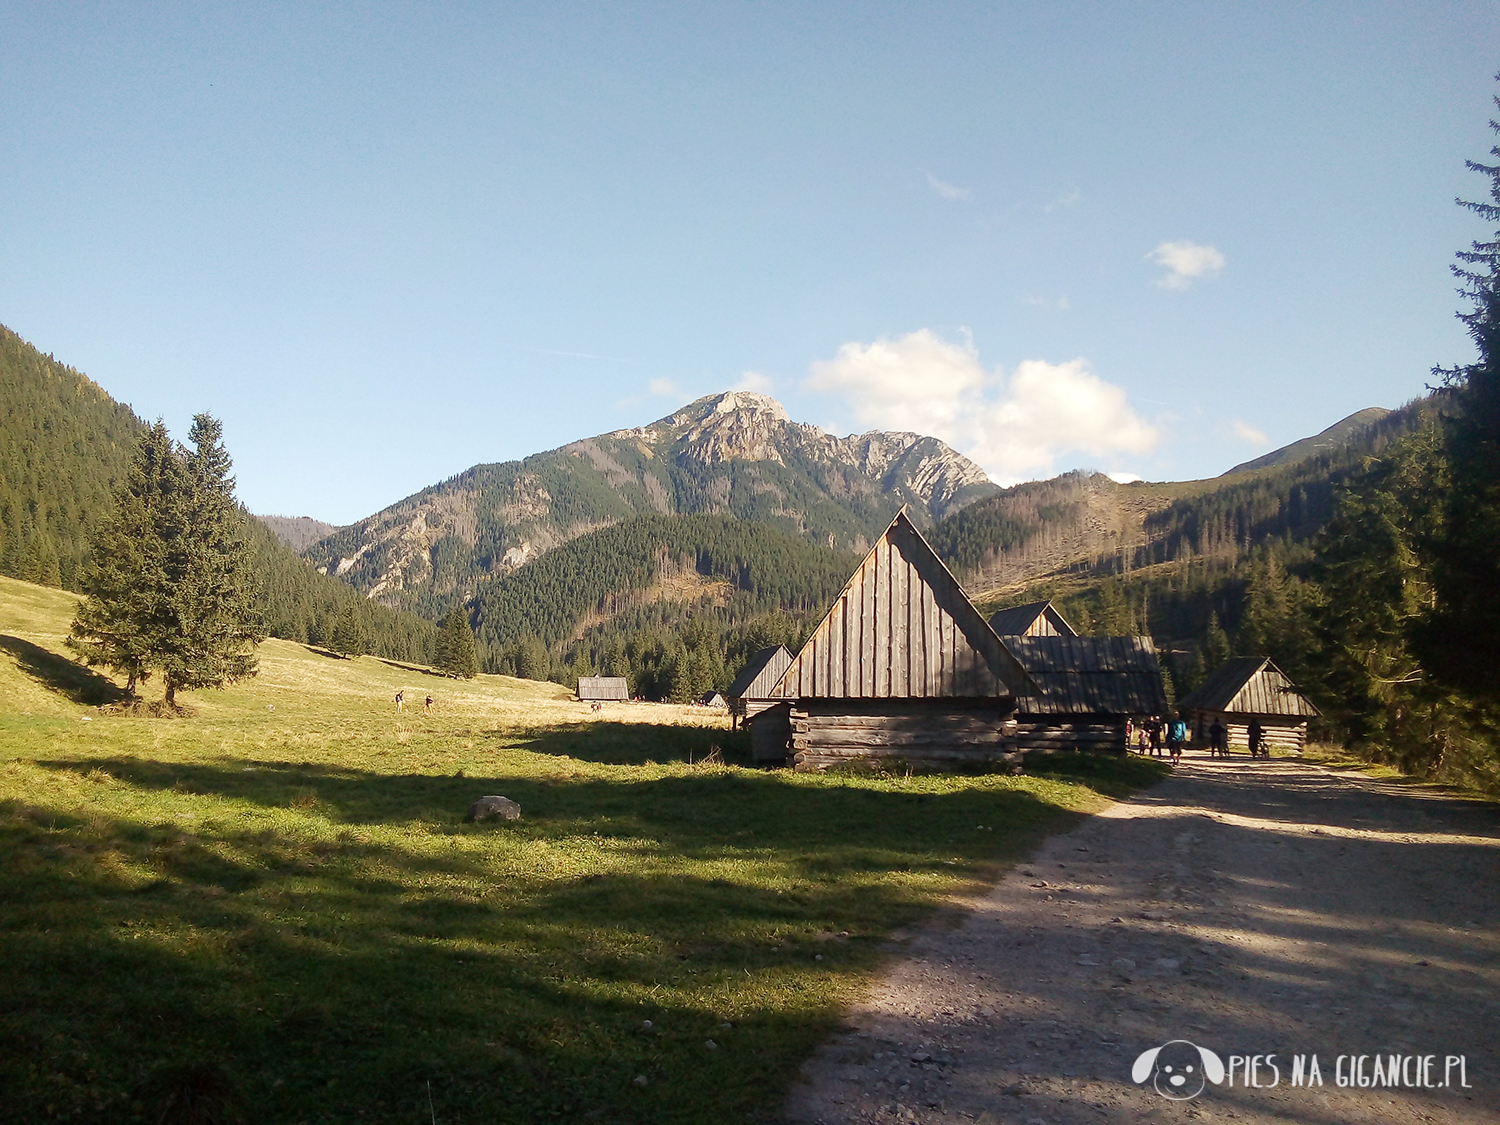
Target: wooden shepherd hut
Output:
[(603, 689), (1036, 619), (1245, 688), (751, 702), (903, 670), (1089, 687)]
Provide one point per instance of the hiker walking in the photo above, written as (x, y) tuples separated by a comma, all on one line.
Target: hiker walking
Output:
[(1153, 734), (1176, 736), (1218, 741), (1258, 740), (428, 709), (400, 700)]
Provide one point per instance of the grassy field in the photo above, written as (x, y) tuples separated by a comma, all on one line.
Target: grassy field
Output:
[(274, 906)]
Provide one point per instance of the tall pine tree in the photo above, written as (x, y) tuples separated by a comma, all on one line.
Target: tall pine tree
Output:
[(456, 655), (216, 597), (170, 585), (126, 609), (1460, 640)]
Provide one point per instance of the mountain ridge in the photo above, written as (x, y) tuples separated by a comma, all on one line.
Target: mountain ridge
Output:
[(734, 453)]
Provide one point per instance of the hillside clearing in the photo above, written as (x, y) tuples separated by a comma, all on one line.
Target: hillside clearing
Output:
[(276, 897)]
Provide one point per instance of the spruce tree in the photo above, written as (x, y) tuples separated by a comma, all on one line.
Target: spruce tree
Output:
[(215, 598), (125, 613), (1460, 640), (456, 655), (349, 634)]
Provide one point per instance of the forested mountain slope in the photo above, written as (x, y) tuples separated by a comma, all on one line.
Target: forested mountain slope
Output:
[(1340, 433), (735, 453), (674, 602), (1173, 560), (65, 444)]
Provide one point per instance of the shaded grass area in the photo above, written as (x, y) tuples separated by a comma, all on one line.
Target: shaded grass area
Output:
[(281, 912)]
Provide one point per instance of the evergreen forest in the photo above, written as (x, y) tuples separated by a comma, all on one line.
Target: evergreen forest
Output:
[(66, 446)]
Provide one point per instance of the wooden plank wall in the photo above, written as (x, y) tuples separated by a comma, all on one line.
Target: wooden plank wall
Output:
[(892, 634), (1049, 735), (938, 736), (1281, 733)]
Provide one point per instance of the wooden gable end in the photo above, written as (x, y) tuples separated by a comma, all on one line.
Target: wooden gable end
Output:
[(903, 629), (1270, 692)]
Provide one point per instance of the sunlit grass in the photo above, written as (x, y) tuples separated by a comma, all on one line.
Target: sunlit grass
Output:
[(281, 889)]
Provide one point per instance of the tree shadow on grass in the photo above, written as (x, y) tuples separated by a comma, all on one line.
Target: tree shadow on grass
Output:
[(57, 673), (334, 973), (636, 744)]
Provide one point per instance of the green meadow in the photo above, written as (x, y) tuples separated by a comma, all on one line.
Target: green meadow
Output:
[(271, 910)]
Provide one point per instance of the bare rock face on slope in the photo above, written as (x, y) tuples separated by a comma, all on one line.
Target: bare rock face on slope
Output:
[(732, 453)]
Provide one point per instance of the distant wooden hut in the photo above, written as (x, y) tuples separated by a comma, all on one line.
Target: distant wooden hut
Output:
[(1035, 619), (714, 699), (903, 670), (751, 702), (602, 689), (1245, 688), (1089, 687)]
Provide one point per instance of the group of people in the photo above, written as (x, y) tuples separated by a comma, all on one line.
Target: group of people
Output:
[(401, 702), (1148, 736)]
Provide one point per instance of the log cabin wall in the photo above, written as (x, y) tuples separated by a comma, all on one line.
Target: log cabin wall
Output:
[(946, 734), (1052, 734), (1280, 733)]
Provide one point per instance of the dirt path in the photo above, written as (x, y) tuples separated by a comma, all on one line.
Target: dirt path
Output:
[(1275, 909)]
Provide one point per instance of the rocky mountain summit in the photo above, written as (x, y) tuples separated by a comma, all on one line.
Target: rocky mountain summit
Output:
[(737, 453)]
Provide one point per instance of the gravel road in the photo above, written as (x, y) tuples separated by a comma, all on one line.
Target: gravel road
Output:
[(1266, 909)]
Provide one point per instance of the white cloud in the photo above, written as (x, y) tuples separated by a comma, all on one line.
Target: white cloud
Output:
[(1124, 478), (1246, 432), (755, 381), (946, 190), (1015, 427), (664, 388), (1185, 261)]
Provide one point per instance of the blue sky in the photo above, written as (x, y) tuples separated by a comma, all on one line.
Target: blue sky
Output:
[(386, 242)]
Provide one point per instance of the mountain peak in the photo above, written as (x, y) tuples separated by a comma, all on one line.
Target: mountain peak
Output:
[(727, 402)]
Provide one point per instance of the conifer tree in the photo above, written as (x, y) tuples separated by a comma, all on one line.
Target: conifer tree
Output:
[(456, 655), (215, 599), (125, 613), (1460, 641), (349, 634)]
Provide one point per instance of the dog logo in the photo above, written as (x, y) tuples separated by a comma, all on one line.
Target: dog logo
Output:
[(1178, 1069)]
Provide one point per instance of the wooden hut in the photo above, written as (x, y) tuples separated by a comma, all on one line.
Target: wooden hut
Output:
[(603, 689), (1035, 619), (714, 699), (1089, 687), (1245, 688), (750, 701), (903, 670)]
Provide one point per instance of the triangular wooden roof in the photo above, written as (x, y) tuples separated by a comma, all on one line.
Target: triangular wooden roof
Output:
[(1092, 675), (1035, 619), (1249, 685), (903, 628), (761, 674)]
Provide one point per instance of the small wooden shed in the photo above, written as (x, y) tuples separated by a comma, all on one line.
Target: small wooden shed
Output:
[(1035, 619), (603, 689), (714, 699), (1245, 688), (903, 670), (751, 702), (1089, 687)]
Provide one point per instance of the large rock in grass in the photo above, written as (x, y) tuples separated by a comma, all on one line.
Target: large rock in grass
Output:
[(498, 808)]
